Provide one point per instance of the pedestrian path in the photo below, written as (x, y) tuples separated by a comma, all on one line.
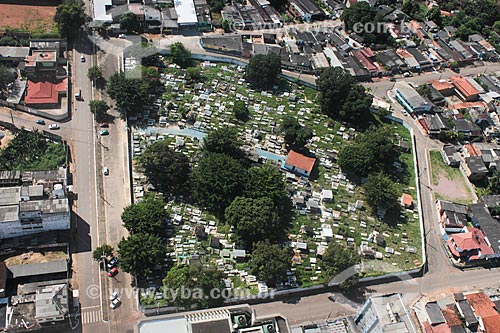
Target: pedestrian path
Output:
[(91, 316)]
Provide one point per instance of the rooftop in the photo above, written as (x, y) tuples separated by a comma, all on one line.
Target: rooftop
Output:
[(45, 92), (464, 86), (300, 161), (51, 267), (14, 52), (186, 12), (51, 302), (40, 56)]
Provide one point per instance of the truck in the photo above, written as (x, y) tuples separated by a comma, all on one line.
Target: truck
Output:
[(78, 94)]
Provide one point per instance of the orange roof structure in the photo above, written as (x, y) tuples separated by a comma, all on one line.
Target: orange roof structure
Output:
[(472, 150), (441, 85), (300, 161), (483, 306), (464, 86), (406, 199), (44, 92), (468, 105), (451, 316), (492, 324), (472, 240)]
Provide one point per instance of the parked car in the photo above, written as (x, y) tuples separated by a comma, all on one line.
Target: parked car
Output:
[(114, 303), (40, 122), (82, 58), (392, 79), (104, 132), (78, 94), (104, 125), (112, 263), (105, 170), (114, 296), (113, 272), (122, 36), (54, 126)]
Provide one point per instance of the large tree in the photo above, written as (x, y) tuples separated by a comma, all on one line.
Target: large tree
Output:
[(217, 180), (197, 280), (99, 108), (295, 134), (104, 250), (270, 263), (7, 75), (94, 73), (333, 85), (70, 16), (267, 182), (240, 110), (358, 15), (262, 71), (180, 55), (223, 140), (129, 94), (338, 264), (494, 184), (165, 168), (147, 216), (254, 220), (381, 192), (129, 22), (141, 253), (356, 106)]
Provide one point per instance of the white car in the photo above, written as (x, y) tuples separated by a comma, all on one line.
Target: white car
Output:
[(114, 296), (54, 126), (82, 58), (105, 171), (114, 303), (122, 36)]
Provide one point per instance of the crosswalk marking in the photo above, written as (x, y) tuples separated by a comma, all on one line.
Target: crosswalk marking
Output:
[(89, 317)]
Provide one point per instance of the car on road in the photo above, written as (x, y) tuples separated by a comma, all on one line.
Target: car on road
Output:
[(54, 126), (115, 303), (331, 298), (122, 36), (104, 132), (105, 170), (392, 79), (104, 125), (40, 122), (113, 272), (112, 263), (82, 58), (114, 296)]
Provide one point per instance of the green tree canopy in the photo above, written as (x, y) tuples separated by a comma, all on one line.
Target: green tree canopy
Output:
[(99, 108), (240, 110), (194, 278), (94, 73), (217, 180), (295, 134), (165, 168), (358, 14), (194, 74), (129, 22), (270, 263), (129, 94), (337, 264), (102, 250), (263, 70), (333, 85), (140, 253), (223, 140), (381, 192), (180, 55), (147, 216), (494, 184), (70, 16), (356, 106), (254, 220), (7, 75)]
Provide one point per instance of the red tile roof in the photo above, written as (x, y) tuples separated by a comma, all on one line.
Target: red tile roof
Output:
[(469, 241), (406, 199), (483, 306), (300, 161), (451, 316), (441, 85), (44, 92), (464, 86), (492, 324), (367, 63)]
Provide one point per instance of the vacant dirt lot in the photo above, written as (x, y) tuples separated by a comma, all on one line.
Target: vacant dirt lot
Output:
[(33, 18)]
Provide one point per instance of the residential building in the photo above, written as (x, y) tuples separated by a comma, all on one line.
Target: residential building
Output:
[(305, 10), (203, 15), (13, 54), (450, 155), (238, 318), (464, 89), (385, 313), (34, 207), (186, 14), (407, 201), (469, 245), (100, 12), (486, 311), (299, 164), (45, 94), (410, 99), (474, 168)]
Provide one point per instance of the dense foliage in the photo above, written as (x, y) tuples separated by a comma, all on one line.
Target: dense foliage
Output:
[(338, 264), (70, 16), (129, 22), (166, 169), (147, 216), (296, 135), (140, 253), (94, 73), (223, 140), (180, 55), (29, 151), (99, 108), (7, 75), (128, 93), (262, 71), (105, 250), (197, 280), (381, 192), (240, 110), (362, 19), (270, 263)]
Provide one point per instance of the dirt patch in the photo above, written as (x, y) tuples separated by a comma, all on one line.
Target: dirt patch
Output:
[(36, 257), (452, 190), (33, 18)]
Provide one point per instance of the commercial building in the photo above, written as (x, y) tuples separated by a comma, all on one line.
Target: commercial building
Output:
[(233, 319), (410, 99), (38, 205), (186, 14)]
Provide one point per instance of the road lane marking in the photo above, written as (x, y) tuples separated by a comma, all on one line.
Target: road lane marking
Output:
[(89, 317)]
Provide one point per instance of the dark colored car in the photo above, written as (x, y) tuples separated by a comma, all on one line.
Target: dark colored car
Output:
[(113, 262), (40, 122)]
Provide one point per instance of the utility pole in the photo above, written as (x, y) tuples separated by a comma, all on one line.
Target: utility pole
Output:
[(11, 116)]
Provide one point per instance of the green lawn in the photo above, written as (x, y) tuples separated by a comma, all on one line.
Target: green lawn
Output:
[(439, 168)]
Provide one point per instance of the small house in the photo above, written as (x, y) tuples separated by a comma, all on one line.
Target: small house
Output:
[(299, 164), (407, 201)]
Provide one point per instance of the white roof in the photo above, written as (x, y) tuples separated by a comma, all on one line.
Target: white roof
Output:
[(334, 61), (186, 13), (177, 325), (327, 194), (327, 232), (100, 13)]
